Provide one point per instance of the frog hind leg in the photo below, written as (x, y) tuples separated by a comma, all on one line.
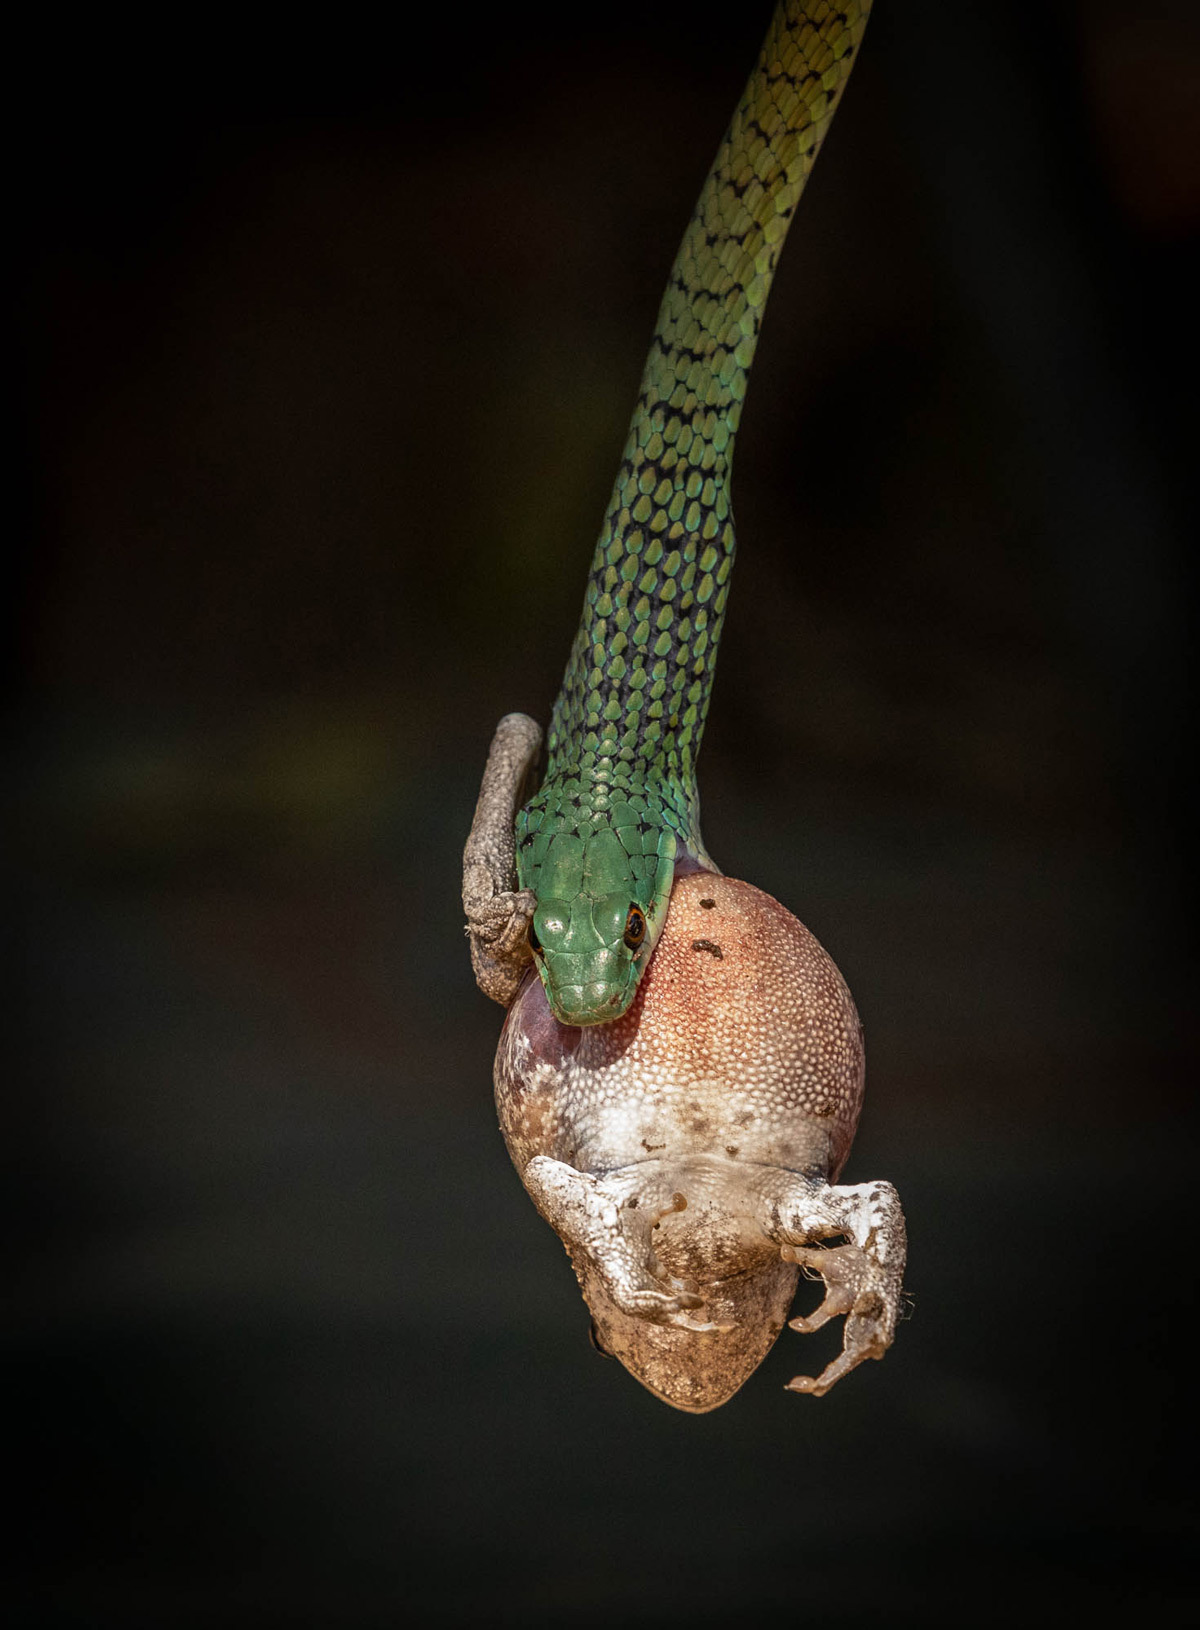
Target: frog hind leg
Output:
[(863, 1274), (498, 913)]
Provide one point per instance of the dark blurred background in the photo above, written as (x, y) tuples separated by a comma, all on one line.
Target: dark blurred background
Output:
[(331, 341)]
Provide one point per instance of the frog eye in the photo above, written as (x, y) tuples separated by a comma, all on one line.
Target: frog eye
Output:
[(635, 928)]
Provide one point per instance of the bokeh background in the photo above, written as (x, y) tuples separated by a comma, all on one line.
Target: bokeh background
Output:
[(331, 343)]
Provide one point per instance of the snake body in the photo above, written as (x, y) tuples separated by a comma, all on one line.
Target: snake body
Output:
[(618, 808), (599, 842)]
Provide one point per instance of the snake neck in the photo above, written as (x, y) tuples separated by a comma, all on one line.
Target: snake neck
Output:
[(637, 685)]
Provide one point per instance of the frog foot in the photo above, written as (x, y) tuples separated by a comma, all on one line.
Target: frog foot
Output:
[(606, 1235), (863, 1275)]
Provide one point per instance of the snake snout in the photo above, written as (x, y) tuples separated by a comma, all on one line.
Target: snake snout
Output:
[(597, 1002)]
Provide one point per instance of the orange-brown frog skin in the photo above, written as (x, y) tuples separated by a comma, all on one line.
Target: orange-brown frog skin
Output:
[(686, 1153)]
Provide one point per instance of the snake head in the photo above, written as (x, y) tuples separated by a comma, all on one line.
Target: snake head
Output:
[(591, 951), (603, 883)]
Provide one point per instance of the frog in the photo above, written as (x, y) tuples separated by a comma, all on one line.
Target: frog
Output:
[(688, 1153)]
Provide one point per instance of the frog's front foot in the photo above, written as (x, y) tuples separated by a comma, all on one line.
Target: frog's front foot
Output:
[(608, 1233), (863, 1275)]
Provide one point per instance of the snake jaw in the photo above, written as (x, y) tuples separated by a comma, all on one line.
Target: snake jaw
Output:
[(591, 987), (594, 1003)]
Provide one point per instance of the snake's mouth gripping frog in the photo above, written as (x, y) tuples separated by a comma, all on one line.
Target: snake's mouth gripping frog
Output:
[(687, 1154)]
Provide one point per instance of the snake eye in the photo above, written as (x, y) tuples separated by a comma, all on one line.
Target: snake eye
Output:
[(635, 928)]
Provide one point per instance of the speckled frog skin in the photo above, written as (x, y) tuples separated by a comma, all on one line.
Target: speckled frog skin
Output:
[(687, 1154)]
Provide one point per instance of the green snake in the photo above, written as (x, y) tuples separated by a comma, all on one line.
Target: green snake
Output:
[(597, 845)]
